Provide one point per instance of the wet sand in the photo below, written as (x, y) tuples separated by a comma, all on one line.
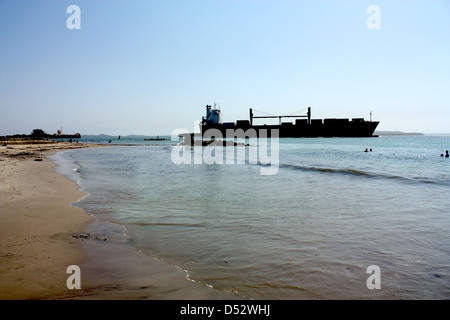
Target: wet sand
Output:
[(42, 234)]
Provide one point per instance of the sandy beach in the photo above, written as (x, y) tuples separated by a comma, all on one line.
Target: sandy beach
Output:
[(39, 228)]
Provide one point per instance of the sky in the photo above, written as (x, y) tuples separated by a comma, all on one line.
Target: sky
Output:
[(151, 66)]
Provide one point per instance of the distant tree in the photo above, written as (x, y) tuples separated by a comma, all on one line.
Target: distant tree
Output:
[(38, 134)]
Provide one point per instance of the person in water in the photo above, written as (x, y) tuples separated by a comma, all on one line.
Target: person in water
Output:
[(446, 154)]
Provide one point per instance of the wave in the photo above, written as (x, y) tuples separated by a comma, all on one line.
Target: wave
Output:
[(365, 174)]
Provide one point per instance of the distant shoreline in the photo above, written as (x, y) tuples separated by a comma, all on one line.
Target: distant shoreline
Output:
[(397, 133)]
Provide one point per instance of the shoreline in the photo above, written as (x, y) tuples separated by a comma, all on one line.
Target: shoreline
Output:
[(43, 232)]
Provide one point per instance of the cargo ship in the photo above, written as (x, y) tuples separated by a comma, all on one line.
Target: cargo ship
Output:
[(303, 127)]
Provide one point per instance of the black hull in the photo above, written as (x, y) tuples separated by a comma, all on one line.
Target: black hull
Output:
[(315, 129)]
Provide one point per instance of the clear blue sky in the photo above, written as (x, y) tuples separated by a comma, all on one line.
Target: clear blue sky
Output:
[(150, 67)]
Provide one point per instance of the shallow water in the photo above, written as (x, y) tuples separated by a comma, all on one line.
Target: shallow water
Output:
[(310, 231)]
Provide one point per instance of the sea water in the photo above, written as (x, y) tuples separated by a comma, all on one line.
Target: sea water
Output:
[(311, 231)]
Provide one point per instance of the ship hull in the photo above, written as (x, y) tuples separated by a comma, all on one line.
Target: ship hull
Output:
[(315, 129)]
